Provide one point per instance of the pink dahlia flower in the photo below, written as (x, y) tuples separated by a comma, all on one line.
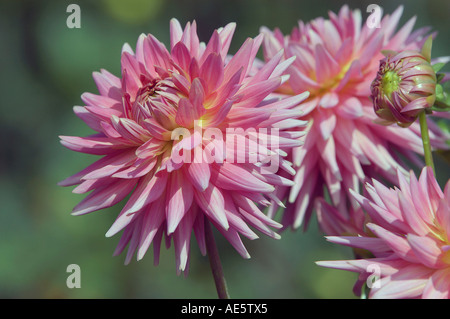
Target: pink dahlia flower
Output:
[(410, 239), (337, 59), (163, 130)]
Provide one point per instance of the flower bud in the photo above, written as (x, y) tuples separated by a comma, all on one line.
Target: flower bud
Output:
[(405, 85)]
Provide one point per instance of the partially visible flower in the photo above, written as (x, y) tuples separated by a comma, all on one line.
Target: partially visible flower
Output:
[(334, 222), (405, 85), (337, 59), (410, 239), (162, 129)]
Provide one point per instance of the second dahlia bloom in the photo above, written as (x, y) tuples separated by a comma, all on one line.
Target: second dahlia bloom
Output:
[(337, 59), (405, 85), (163, 131), (410, 239)]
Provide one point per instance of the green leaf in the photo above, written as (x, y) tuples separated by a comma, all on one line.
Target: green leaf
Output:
[(437, 67)]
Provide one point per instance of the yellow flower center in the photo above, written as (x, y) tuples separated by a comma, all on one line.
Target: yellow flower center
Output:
[(390, 82)]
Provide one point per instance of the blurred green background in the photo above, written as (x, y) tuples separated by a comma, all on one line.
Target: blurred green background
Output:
[(45, 67)]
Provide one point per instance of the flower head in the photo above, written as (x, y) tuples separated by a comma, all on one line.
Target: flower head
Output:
[(337, 59), (410, 239), (163, 130), (405, 85)]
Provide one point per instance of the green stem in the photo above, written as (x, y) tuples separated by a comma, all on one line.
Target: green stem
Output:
[(426, 140), (214, 261)]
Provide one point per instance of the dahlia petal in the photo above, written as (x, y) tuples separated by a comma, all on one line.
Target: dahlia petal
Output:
[(415, 106), (372, 48), (305, 58), (107, 84), (103, 113), (259, 225), (350, 108), (326, 65), (248, 206), (77, 178), (420, 199), (300, 82), (390, 22), (149, 149), (88, 118), (102, 102), (327, 150), (387, 265), (438, 286), (226, 34), (398, 244), (254, 94), (242, 58), (181, 239), (233, 177), (327, 123), (181, 55), (346, 134), (233, 237), (179, 200), (211, 201), (150, 189), (157, 51), (303, 172), (138, 169), (271, 45), (124, 240), (408, 283), (411, 216), (329, 100), (198, 171), (186, 114), (197, 95), (90, 145), (371, 147), (213, 47), (235, 219), (426, 250), (354, 73), (443, 214), (401, 36), (389, 199), (131, 65), (176, 32), (104, 197), (89, 185), (110, 164), (212, 71), (375, 245), (266, 70), (199, 232), (152, 220), (306, 194), (133, 243)]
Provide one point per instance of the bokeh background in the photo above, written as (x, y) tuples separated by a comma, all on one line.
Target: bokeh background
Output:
[(45, 67)]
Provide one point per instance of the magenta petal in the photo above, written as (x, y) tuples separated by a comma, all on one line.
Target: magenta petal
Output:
[(179, 200), (438, 286), (103, 197), (426, 250), (211, 201)]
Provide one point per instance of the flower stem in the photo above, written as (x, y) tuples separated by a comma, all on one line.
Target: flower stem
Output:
[(426, 140), (214, 261)]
